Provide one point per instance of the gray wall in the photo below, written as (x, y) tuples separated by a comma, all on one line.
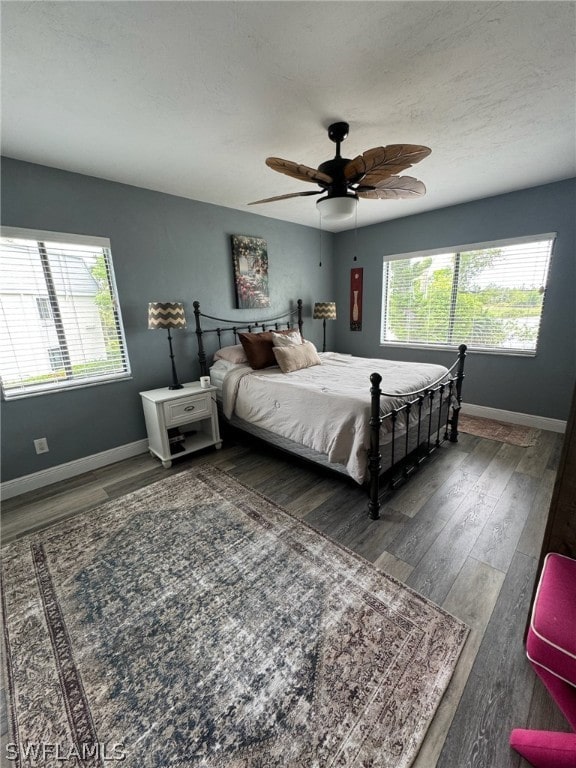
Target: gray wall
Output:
[(540, 385), (164, 248)]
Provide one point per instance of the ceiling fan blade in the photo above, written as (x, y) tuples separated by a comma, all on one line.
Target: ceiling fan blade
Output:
[(285, 197), (393, 188), (385, 161), (298, 171)]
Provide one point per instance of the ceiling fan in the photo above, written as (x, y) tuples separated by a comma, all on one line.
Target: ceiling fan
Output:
[(370, 175)]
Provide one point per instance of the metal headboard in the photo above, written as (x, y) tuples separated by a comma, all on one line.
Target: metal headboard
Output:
[(286, 319)]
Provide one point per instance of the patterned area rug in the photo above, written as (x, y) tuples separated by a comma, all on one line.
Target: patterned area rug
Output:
[(516, 434), (195, 623)]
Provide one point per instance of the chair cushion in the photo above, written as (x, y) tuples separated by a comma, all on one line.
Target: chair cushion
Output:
[(551, 641), (545, 749)]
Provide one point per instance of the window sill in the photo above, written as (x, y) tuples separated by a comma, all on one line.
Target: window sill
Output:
[(64, 388), (454, 348)]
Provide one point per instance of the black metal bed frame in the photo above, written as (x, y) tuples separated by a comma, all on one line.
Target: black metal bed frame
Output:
[(418, 426)]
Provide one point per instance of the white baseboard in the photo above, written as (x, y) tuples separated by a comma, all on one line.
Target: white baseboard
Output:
[(37, 480), (526, 419)]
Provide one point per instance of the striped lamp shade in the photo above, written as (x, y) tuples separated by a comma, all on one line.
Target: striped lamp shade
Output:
[(324, 310), (166, 314)]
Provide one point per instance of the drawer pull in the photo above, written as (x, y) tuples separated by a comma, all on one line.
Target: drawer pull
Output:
[(189, 408)]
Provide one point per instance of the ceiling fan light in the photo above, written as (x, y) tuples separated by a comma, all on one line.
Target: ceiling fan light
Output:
[(337, 208)]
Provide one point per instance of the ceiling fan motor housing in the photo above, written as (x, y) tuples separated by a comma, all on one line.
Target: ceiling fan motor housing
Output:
[(335, 169)]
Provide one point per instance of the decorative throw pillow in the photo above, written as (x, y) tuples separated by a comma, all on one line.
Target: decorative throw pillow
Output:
[(286, 339), (258, 348), (233, 354), (296, 356)]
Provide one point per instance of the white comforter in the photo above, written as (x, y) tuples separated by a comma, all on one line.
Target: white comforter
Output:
[(325, 407)]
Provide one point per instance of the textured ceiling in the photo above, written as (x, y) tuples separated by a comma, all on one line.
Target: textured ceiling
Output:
[(190, 97)]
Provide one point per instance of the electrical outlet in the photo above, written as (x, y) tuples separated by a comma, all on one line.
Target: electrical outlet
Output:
[(41, 445)]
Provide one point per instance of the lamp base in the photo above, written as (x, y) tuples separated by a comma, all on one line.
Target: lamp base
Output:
[(175, 383)]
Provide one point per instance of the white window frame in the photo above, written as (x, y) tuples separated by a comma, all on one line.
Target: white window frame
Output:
[(17, 349), (454, 250)]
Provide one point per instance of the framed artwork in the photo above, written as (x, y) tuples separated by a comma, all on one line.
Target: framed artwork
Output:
[(356, 277), (250, 258)]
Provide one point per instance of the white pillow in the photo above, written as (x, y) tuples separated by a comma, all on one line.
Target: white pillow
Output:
[(286, 339), (225, 365), (233, 354)]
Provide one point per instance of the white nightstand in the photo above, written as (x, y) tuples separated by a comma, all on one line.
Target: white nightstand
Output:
[(180, 421)]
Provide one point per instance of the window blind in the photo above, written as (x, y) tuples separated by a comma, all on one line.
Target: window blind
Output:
[(489, 297), (60, 318)]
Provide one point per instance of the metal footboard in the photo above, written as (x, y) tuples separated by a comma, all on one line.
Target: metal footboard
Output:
[(425, 419)]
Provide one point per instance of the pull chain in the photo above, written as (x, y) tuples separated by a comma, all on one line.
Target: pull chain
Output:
[(356, 232), (320, 215)]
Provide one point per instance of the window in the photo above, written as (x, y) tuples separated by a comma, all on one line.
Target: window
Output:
[(489, 296), (60, 323), (56, 358), (44, 311)]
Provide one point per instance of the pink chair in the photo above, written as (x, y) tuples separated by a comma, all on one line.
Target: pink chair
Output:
[(551, 649)]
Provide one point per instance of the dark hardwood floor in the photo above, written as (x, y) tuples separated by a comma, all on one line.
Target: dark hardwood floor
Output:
[(465, 531)]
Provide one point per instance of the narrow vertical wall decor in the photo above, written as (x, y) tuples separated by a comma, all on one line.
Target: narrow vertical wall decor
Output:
[(356, 276)]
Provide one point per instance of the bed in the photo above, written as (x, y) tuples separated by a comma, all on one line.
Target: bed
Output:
[(375, 421)]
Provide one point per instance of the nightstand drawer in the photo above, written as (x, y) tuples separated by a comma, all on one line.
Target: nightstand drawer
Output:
[(187, 409)]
